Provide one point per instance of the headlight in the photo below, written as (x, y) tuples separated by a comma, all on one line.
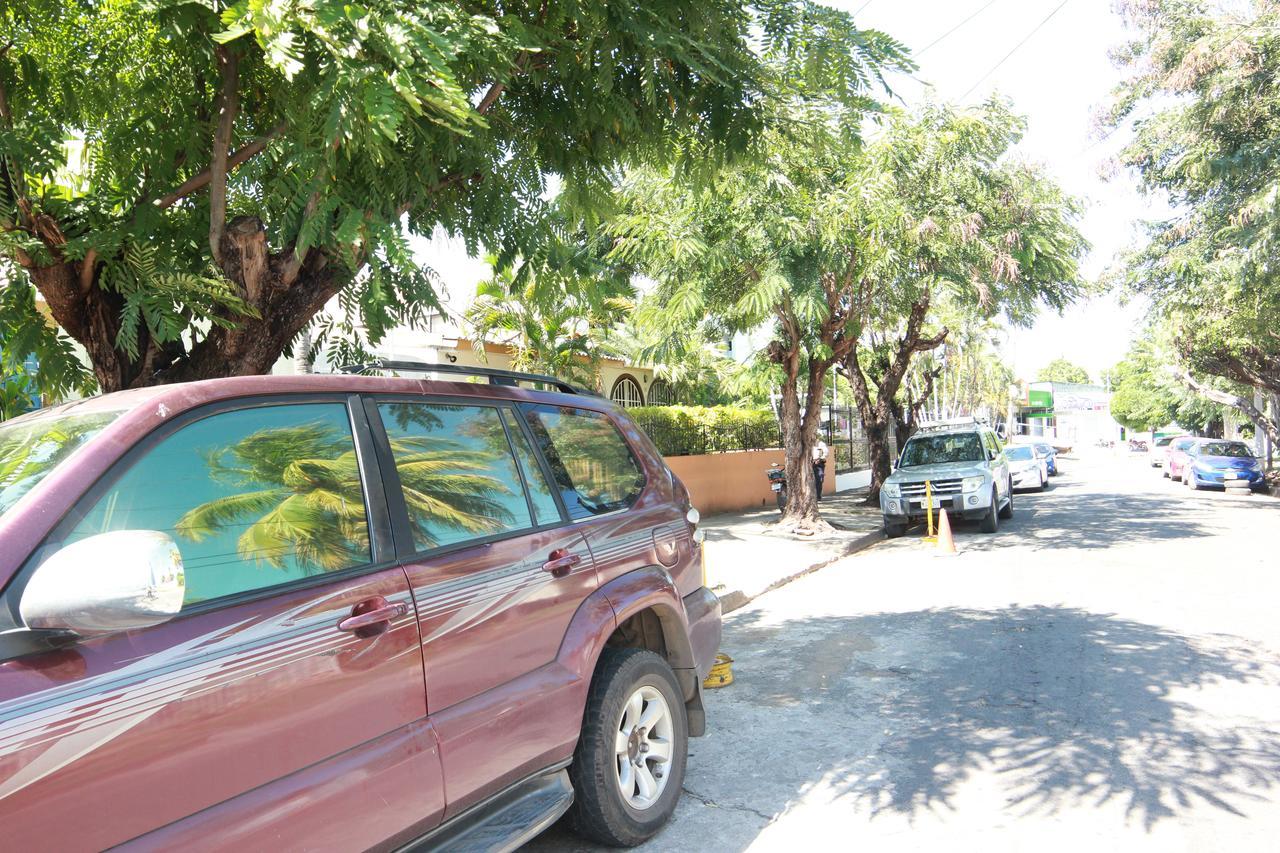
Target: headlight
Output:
[(890, 490), (973, 484)]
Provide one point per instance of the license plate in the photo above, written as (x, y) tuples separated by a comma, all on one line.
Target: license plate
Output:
[(777, 487), (1230, 475)]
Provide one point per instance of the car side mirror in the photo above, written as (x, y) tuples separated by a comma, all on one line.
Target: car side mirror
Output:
[(111, 582), (991, 455)]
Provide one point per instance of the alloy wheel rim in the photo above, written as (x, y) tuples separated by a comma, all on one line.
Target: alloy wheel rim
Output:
[(643, 740)]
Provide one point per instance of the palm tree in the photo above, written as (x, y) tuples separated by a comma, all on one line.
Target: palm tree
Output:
[(303, 497), (554, 326)]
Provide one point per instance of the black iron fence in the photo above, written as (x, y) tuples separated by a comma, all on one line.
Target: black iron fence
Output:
[(848, 441)]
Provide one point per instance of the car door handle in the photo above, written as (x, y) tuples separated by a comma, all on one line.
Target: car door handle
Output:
[(365, 619), (561, 562)]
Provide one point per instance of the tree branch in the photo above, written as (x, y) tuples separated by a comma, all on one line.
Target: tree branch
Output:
[(1270, 425), (87, 267), (200, 181), (228, 103), (16, 177)]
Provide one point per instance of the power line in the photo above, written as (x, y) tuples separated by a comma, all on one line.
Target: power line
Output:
[(1005, 58), (863, 6), (984, 8)]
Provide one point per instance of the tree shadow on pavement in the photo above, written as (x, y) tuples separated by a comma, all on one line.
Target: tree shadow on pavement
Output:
[(1098, 521), (1067, 707)]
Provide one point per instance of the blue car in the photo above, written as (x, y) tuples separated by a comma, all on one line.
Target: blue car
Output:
[(1049, 453), (1214, 462)]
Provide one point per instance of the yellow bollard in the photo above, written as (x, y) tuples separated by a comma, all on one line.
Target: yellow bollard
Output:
[(928, 512)]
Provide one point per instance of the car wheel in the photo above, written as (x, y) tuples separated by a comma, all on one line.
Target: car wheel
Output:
[(1043, 480), (629, 765), (1007, 512), (893, 531), (990, 524), (1189, 477)]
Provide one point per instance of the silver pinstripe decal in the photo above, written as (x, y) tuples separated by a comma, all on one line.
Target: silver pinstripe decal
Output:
[(77, 719)]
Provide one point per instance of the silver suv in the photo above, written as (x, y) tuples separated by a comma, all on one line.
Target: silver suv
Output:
[(968, 476)]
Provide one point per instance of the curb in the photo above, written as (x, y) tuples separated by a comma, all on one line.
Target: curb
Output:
[(736, 599)]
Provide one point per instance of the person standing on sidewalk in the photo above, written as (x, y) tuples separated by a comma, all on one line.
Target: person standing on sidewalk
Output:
[(820, 451)]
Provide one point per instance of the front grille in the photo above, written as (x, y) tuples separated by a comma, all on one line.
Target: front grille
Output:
[(940, 487)]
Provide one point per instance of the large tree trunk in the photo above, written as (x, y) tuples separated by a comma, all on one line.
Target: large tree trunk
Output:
[(284, 292), (877, 416), (799, 432)]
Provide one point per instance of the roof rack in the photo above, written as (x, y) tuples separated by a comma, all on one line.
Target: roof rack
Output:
[(496, 376), (950, 424)]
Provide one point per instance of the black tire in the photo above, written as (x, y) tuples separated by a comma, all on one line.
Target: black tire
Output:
[(893, 531), (990, 524), (1007, 511), (1044, 481), (599, 811)]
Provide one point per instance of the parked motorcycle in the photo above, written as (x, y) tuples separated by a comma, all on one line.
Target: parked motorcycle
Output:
[(778, 482)]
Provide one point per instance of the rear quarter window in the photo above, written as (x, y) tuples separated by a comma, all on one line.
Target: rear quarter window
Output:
[(593, 466)]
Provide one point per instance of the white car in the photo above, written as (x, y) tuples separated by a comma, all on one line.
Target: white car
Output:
[(1028, 469)]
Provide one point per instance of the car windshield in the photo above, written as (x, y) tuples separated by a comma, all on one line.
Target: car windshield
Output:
[(1164, 442), (31, 447), (1237, 449), (938, 449), (1183, 444), (1019, 454), (1044, 448)]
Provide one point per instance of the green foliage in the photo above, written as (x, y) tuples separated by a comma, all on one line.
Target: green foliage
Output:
[(1203, 89), (1062, 370), (967, 374), (26, 335), (554, 324), (1145, 395), (358, 125), (693, 430)]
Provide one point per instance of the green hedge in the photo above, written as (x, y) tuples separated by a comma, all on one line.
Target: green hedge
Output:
[(695, 430)]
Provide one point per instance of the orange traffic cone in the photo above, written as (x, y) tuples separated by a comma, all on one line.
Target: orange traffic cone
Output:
[(946, 544)]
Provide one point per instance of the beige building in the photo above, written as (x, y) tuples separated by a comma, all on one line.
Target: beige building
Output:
[(442, 341)]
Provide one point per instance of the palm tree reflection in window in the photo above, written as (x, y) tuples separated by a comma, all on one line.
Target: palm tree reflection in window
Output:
[(456, 470), (304, 499)]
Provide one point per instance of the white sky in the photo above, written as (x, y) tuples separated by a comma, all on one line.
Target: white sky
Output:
[(1057, 79)]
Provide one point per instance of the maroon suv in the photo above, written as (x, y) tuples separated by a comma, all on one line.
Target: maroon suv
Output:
[(343, 612)]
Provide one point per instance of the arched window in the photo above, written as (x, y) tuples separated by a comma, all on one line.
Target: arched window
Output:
[(626, 392), (660, 393)]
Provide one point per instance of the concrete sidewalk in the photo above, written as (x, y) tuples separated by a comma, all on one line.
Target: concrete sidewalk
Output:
[(747, 555)]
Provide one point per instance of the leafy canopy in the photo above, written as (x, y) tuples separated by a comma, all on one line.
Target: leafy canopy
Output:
[(1062, 370), (188, 182), (1202, 91)]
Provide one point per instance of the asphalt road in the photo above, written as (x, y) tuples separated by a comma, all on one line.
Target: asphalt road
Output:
[(1102, 674)]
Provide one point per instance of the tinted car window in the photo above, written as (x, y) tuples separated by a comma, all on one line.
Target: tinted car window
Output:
[(32, 447), (1020, 453), (457, 472), (253, 498), (545, 510), (593, 467), (1236, 449), (1183, 443), (937, 449)]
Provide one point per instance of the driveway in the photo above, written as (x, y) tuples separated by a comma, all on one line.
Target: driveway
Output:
[(1102, 674)]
